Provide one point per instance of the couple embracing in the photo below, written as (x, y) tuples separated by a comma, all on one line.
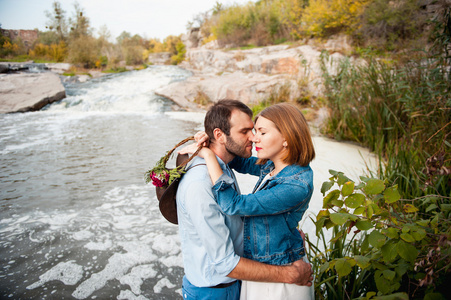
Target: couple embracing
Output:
[(247, 246)]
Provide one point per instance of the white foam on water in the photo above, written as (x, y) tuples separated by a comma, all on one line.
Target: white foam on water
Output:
[(136, 277), (68, 273), (166, 244), (164, 282), (118, 265), (131, 92), (128, 295), (123, 221)]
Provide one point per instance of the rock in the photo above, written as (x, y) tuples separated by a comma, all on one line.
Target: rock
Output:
[(29, 92), (4, 68), (250, 75), (161, 58), (250, 88), (58, 68)]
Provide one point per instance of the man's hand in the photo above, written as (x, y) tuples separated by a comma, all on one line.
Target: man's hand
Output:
[(301, 272)]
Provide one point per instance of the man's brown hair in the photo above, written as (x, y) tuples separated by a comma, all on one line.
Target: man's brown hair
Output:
[(218, 116)]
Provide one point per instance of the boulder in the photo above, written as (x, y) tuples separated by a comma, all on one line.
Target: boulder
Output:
[(250, 88), (250, 75), (161, 58), (29, 91)]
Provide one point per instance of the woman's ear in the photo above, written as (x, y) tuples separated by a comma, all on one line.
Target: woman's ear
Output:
[(285, 144)]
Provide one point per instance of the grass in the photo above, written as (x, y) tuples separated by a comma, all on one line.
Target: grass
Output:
[(402, 112)]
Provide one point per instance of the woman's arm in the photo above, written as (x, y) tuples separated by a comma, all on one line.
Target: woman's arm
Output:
[(214, 169), (277, 199), (246, 165)]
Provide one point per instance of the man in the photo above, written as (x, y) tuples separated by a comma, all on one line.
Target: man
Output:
[(212, 242)]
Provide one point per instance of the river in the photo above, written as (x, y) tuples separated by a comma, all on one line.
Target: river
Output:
[(77, 220)]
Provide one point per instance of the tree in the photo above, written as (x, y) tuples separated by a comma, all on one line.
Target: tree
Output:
[(57, 21), (79, 23)]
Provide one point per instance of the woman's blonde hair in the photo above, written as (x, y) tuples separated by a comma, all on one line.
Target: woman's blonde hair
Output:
[(293, 126)]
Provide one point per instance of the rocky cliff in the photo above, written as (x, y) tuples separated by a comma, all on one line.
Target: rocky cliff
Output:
[(251, 75)]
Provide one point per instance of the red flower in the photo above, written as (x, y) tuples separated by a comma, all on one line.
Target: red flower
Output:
[(160, 179)]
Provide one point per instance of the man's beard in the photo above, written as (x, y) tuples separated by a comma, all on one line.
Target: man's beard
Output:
[(236, 149)]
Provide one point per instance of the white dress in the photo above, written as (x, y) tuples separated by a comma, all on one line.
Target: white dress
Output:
[(252, 290)]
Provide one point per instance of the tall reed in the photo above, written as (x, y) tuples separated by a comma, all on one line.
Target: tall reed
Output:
[(400, 111)]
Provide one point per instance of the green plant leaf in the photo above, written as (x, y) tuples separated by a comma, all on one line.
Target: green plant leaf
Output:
[(362, 261), (409, 208), (319, 225), (396, 296), (343, 267), (391, 232), (445, 207), (324, 267), (374, 186), (337, 203), (384, 285), (407, 237), (342, 179), (359, 210), (369, 211), (333, 172), (339, 218), (389, 274), (434, 296), (365, 244), (354, 200), (407, 251), (431, 207), (332, 195), (391, 195), (419, 234), (347, 189), (376, 239), (360, 186), (389, 252), (363, 225), (326, 186)]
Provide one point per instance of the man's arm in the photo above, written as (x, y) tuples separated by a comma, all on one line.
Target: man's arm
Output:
[(299, 272)]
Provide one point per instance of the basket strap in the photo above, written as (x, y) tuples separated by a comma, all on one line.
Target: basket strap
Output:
[(178, 145)]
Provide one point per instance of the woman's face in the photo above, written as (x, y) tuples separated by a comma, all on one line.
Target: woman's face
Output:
[(269, 142)]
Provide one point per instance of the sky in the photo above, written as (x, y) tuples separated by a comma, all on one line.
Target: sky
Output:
[(148, 18)]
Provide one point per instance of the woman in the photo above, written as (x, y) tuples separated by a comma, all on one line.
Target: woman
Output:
[(272, 212)]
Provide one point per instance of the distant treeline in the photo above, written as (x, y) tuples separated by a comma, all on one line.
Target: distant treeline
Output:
[(379, 24), (372, 25), (72, 40)]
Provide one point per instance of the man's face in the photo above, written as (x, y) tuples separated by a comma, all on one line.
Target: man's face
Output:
[(239, 142)]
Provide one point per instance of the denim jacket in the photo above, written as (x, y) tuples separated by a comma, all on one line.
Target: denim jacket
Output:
[(271, 215)]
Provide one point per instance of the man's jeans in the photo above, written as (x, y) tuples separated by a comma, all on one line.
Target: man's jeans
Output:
[(191, 292)]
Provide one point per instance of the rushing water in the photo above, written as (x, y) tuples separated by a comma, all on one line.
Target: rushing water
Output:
[(76, 219)]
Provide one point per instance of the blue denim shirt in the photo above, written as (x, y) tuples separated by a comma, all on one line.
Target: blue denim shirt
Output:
[(271, 214), (211, 241)]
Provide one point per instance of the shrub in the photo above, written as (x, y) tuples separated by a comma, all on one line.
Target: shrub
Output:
[(83, 52), (180, 56), (386, 23), (327, 17), (380, 244)]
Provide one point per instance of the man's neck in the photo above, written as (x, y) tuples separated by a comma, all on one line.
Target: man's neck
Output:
[(221, 152)]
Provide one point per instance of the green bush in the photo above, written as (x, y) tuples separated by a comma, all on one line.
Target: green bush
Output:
[(385, 23), (83, 52), (381, 244)]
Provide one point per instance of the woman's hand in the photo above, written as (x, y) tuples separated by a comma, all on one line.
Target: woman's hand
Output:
[(190, 149), (202, 139)]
